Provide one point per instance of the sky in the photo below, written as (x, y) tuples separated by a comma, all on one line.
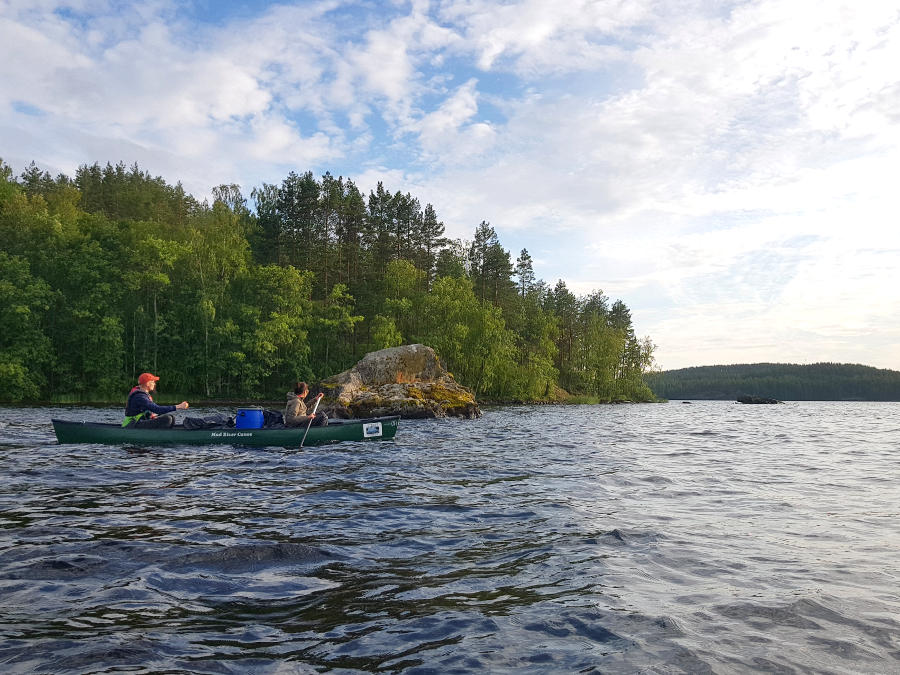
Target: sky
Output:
[(727, 169)]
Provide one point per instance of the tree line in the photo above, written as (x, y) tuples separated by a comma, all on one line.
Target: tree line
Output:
[(114, 272), (787, 382)]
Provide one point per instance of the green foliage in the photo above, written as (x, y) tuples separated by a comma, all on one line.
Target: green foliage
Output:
[(334, 326), (783, 381), (25, 352), (401, 288), (525, 272), (116, 272), (489, 266), (385, 333), (8, 186), (265, 325), (471, 336)]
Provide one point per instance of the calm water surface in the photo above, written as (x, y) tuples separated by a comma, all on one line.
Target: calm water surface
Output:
[(672, 538)]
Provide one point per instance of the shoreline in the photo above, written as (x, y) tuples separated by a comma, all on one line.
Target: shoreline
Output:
[(278, 405)]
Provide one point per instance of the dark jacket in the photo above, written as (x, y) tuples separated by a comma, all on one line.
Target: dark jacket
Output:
[(139, 401)]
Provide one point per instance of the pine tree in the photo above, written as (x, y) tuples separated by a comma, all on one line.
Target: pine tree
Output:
[(430, 242), (525, 272)]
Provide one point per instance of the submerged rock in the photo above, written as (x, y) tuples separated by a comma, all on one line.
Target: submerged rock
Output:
[(408, 381), (250, 556), (757, 399)]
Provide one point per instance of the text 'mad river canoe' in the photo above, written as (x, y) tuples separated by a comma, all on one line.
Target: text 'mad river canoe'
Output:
[(375, 428)]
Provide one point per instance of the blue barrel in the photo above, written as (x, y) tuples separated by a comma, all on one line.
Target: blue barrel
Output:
[(249, 418)]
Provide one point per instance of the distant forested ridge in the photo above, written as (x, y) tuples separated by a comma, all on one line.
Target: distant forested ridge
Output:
[(787, 382), (114, 272)]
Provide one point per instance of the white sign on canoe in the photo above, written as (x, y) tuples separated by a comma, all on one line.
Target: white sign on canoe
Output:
[(372, 429)]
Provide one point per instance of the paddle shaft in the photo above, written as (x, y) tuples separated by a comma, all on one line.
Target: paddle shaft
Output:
[(311, 417)]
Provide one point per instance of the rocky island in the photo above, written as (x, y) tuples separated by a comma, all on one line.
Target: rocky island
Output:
[(408, 381), (757, 400)]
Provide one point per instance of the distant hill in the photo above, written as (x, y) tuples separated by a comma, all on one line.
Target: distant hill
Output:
[(785, 381)]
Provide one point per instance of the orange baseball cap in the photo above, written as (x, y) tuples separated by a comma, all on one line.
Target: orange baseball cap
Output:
[(147, 377)]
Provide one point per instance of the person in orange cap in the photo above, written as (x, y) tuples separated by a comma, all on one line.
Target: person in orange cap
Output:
[(141, 411)]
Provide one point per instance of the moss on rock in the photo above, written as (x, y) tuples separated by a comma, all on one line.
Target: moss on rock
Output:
[(407, 381)]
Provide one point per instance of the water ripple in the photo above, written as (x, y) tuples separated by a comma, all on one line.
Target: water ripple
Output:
[(657, 538)]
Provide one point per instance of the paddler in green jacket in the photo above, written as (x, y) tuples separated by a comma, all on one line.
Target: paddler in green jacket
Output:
[(295, 409), (141, 411)]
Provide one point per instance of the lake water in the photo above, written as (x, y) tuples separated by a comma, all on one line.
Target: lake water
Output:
[(671, 538)]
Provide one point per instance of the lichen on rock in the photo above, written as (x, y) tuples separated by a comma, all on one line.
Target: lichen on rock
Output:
[(408, 381)]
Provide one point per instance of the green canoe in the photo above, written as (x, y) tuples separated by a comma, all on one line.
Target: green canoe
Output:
[(375, 428)]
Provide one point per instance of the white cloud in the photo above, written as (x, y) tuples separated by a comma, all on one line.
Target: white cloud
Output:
[(449, 135), (749, 132), (726, 169), (539, 36), (155, 97)]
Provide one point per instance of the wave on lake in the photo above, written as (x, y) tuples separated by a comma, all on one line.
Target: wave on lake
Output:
[(640, 538)]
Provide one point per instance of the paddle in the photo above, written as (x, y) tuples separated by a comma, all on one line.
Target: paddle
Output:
[(311, 417)]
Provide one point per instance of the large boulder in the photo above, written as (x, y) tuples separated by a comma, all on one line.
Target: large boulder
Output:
[(408, 381)]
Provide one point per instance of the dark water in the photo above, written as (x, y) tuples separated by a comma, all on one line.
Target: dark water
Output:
[(672, 538)]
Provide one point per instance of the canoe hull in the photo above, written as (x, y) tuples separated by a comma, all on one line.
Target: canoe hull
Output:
[(376, 428)]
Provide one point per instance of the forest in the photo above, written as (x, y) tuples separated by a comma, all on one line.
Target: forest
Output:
[(114, 272), (786, 382)]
